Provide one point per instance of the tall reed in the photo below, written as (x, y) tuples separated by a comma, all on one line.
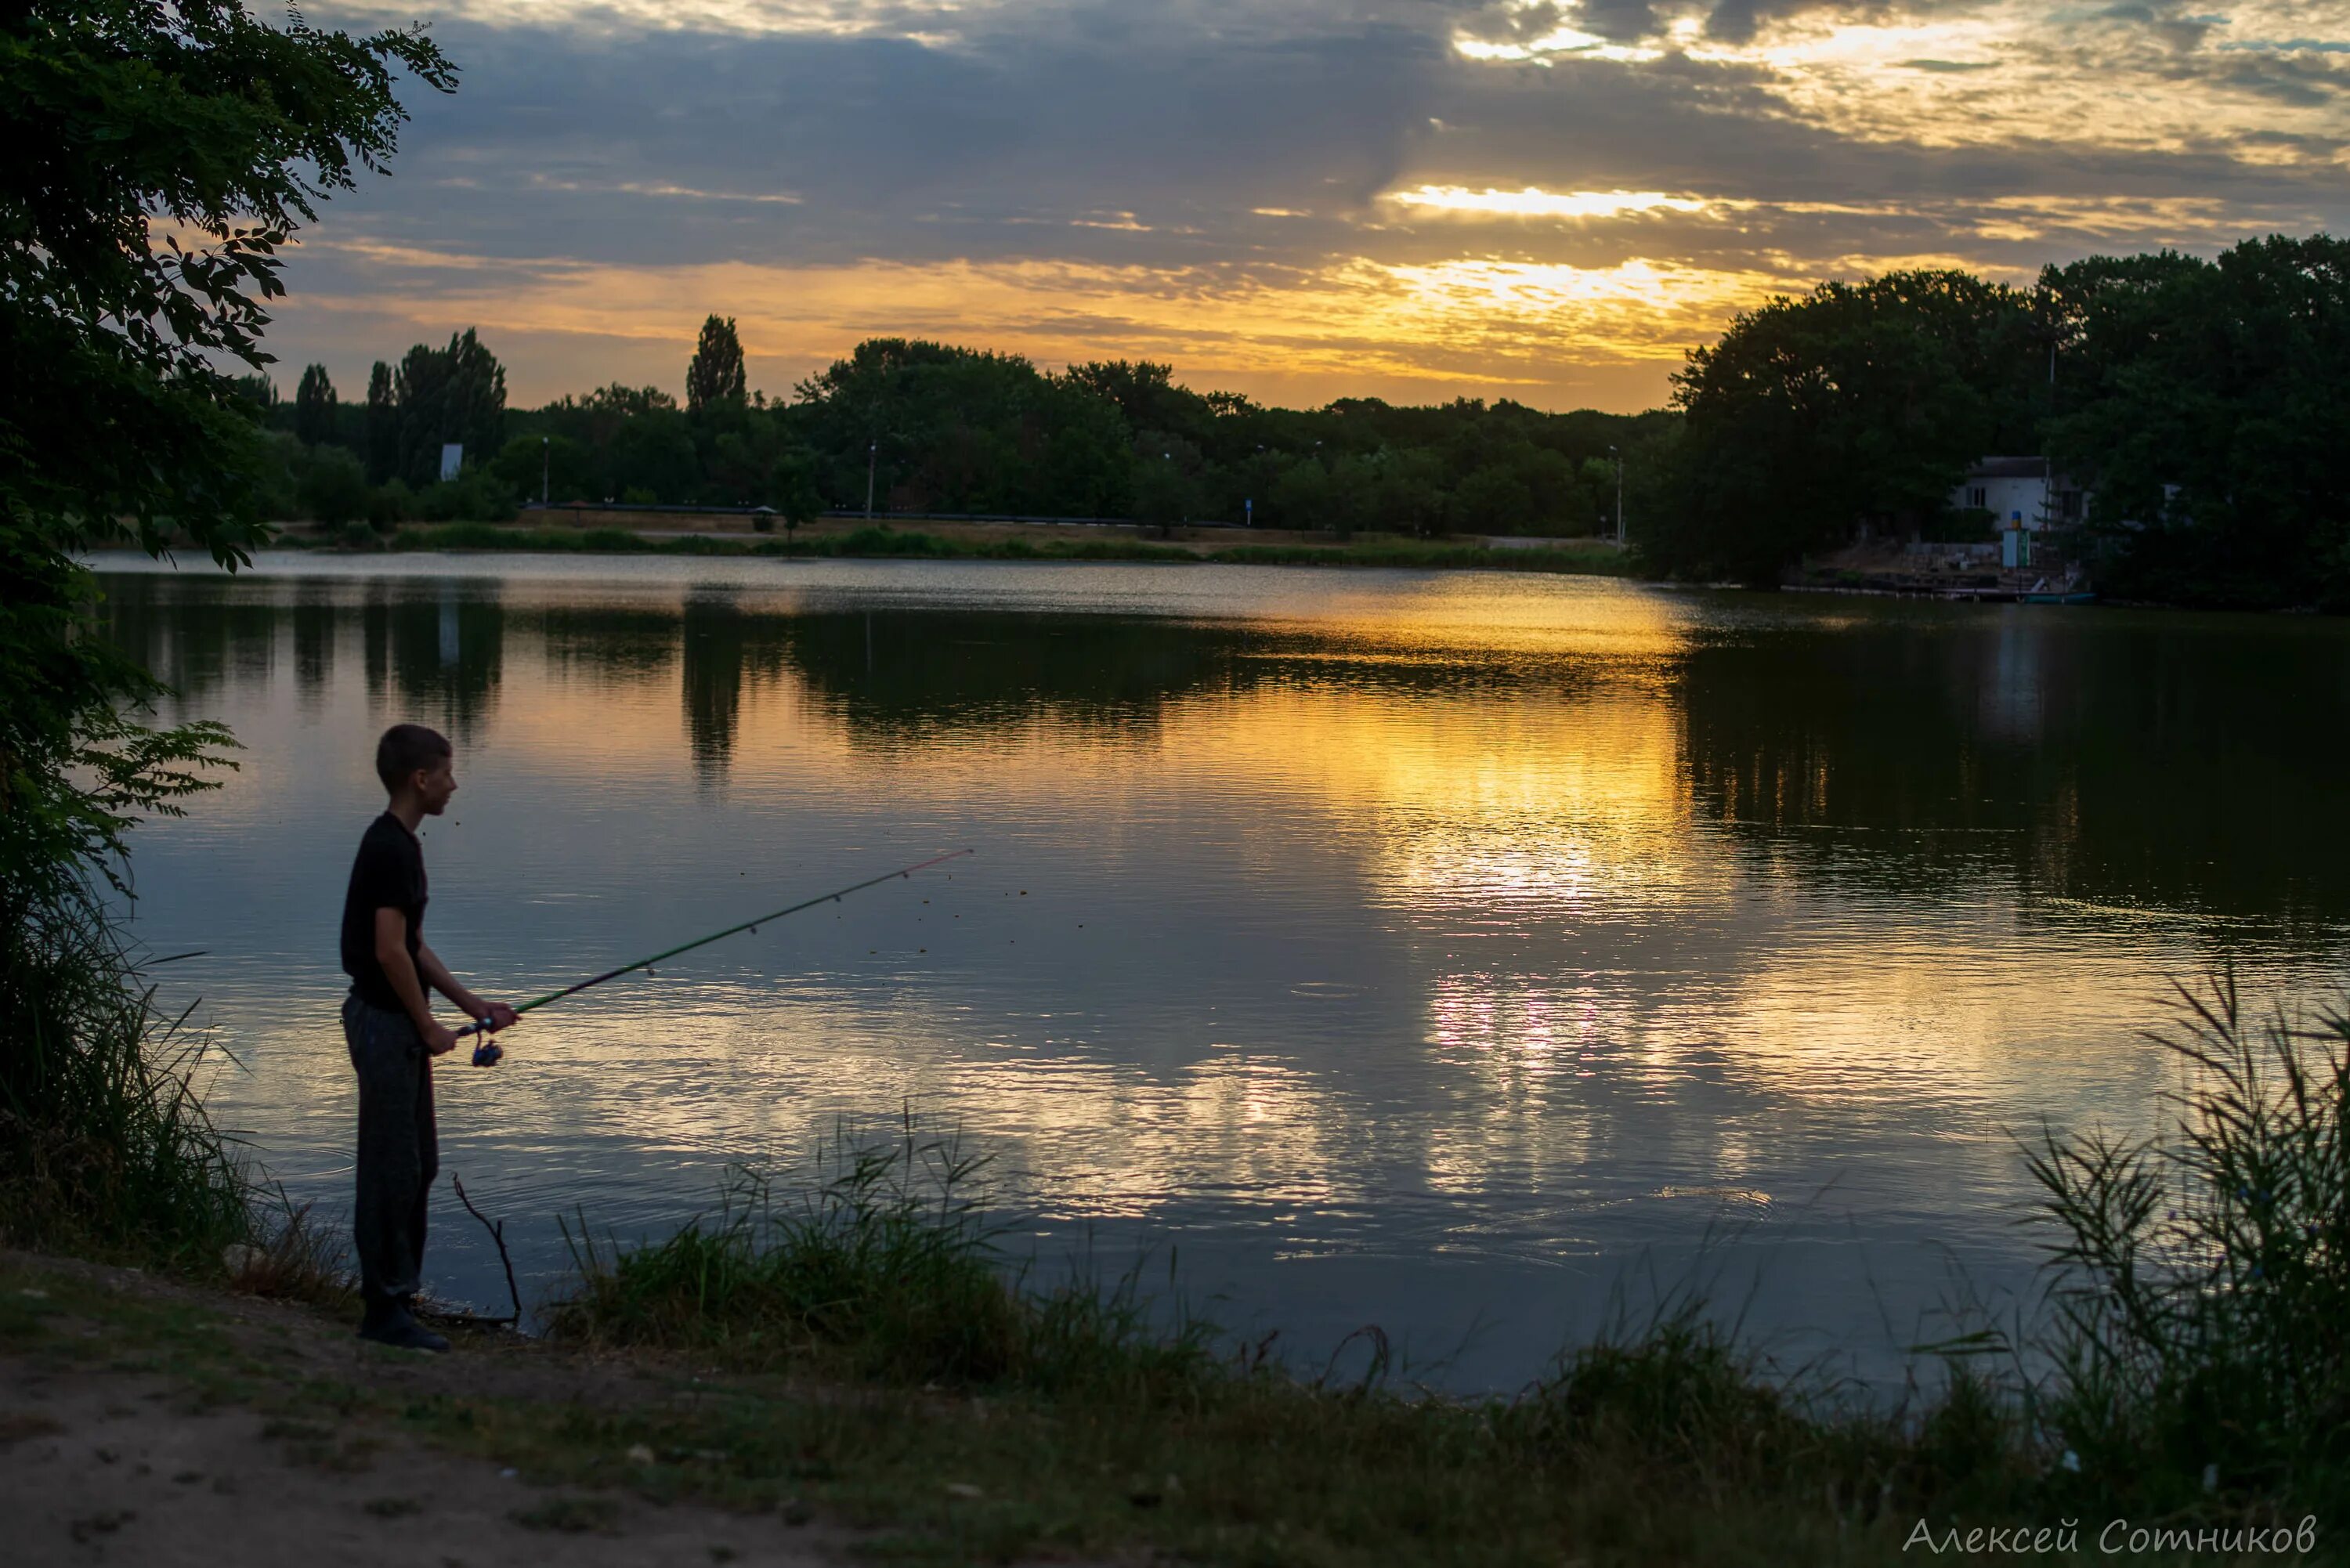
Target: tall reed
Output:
[(104, 1143), (2200, 1299)]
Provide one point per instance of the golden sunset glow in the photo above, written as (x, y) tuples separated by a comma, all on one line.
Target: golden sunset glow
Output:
[(1548, 203), (1568, 42), (1532, 202), (1463, 323)]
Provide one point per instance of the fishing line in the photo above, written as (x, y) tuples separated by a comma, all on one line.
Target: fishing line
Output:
[(480, 1056)]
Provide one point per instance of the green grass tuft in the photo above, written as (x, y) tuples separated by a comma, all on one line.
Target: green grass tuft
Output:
[(886, 1270)]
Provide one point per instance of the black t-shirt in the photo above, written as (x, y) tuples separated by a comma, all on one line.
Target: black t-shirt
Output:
[(387, 875)]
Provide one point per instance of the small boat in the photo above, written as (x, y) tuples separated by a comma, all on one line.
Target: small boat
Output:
[(2081, 598)]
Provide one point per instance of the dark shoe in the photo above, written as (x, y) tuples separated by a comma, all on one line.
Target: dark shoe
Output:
[(401, 1332)]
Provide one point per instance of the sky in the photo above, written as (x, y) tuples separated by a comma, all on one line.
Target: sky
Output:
[(1418, 200)]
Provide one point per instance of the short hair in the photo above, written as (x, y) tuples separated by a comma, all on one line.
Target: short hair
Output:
[(406, 748)]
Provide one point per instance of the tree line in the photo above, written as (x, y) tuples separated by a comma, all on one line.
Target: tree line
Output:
[(932, 427), (2198, 401), (2201, 405)]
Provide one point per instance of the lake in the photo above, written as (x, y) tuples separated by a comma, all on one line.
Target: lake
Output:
[(1473, 954)]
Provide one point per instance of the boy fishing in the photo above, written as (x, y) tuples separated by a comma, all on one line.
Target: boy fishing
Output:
[(389, 1025)]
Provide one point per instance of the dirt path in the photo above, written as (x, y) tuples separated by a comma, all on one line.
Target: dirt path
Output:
[(108, 1457)]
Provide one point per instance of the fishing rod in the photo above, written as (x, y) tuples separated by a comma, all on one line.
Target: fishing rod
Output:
[(487, 1053)]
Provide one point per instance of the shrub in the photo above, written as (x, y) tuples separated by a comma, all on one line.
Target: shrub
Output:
[(475, 495), (333, 488), (389, 506)]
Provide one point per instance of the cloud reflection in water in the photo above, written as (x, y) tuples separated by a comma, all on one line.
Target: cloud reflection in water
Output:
[(1424, 949)]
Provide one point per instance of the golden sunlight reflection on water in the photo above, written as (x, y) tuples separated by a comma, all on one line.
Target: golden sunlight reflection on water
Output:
[(1424, 949)]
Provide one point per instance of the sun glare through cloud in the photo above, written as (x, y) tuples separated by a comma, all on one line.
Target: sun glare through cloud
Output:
[(1532, 202), (1289, 197)]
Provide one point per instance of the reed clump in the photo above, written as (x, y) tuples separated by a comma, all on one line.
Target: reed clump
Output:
[(105, 1148), (2200, 1326)]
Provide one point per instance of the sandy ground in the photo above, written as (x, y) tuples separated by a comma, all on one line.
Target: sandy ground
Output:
[(101, 1466)]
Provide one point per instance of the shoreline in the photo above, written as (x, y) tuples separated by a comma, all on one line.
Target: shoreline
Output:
[(1208, 545), (979, 542), (860, 1361), (146, 1411)]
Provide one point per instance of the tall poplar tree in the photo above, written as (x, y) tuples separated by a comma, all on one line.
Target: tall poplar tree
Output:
[(715, 374), (454, 394), (314, 407), (382, 425)]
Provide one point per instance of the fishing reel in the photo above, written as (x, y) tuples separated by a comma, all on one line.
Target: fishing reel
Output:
[(487, 1053)]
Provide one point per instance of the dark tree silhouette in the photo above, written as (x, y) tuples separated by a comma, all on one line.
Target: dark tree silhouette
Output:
[(452, 394), (125, 120), (382, 426), (314, 407), (715, 375)]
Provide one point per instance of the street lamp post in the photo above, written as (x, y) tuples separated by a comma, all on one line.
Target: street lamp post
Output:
[(545, 463), (872, 450)]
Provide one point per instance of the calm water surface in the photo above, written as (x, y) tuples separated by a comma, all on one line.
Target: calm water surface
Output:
[(1446, 951)]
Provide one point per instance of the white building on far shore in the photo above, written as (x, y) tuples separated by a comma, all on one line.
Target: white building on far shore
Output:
[(2020, 492)]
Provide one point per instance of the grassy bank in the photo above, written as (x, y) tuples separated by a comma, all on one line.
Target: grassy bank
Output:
[(1662, 1452), (2195, 1372), (1079, 1417), (1575, 557), (858, 1347)]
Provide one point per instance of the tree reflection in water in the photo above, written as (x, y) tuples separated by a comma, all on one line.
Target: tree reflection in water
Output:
[(1382, 920)]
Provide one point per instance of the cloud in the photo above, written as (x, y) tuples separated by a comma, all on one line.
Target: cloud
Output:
[(1624, 21), (885, 145), (1535, 202), (1466, 194)]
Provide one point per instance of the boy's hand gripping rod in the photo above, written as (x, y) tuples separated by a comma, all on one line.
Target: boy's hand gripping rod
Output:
[(488, 1052)]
